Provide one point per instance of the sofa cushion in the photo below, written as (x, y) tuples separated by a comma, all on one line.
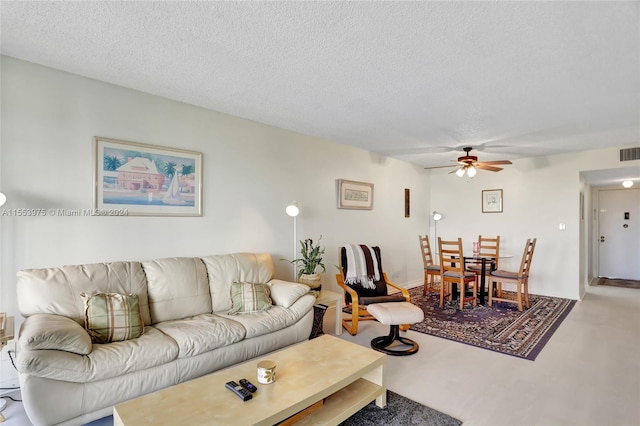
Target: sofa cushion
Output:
[(276, 318), (108, 360), (202, 333), (112, 317), (226, 269), (47, 331), (285, 293), (57, 290), (247, 298), (178, 288)]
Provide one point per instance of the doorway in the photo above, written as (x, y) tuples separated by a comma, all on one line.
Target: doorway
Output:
[(619, 234)]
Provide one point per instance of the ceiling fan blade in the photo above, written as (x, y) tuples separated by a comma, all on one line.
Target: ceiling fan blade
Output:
[(484, 166), (418, 150), (440, 167), (495, 163), (471, 161)]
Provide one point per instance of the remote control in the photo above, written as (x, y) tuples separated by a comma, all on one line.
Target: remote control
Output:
[(244, 394), (248, 385)]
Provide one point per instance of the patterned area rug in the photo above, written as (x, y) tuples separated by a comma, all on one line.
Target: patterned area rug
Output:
[(400, 411), (614, 282), (501, 328)]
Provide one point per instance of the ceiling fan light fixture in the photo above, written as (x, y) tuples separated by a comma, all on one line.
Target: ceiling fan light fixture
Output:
[(468, 164)]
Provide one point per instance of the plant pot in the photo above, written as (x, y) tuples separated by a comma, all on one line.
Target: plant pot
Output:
[(314, 281)]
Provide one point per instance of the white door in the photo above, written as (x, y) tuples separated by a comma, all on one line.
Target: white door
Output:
[(619, 234)]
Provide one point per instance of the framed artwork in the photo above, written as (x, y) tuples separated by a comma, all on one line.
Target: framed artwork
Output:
[(146, 180), (355, 195), (407, 202), (492, 201)]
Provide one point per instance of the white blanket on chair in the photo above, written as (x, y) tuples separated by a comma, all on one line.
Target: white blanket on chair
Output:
[(357, 271)]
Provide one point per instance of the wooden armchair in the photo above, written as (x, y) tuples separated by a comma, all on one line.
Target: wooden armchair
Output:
[(357, 297)]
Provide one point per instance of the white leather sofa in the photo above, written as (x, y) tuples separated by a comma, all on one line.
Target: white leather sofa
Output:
[(67, 379)]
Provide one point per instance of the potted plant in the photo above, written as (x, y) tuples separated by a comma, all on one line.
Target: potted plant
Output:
[(309, 262)]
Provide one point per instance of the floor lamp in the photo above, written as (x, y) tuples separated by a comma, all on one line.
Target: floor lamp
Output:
[(436, 217), (293, 210)]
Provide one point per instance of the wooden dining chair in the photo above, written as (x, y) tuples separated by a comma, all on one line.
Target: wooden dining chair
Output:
[(452, 272), (488, 248), (357, 297), (520, 278), (431, 270)]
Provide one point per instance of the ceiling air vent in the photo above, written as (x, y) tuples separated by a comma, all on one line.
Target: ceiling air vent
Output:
[(628, 154)]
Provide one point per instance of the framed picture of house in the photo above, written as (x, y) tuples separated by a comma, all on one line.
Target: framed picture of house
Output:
[(355, 195), (492, 201), (146, 180)]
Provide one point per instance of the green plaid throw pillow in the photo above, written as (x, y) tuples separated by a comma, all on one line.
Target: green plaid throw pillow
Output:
[(247, 298), (112, 317)]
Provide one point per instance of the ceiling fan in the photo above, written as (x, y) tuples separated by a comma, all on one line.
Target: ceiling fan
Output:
[(469, 164)]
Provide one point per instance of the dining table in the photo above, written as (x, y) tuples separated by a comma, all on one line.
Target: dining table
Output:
[(484, 262), (487, 264)]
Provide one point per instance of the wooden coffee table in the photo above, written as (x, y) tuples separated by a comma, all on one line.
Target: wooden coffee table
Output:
[(343, 375)]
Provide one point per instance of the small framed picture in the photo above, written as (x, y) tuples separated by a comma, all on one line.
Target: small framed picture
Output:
[(407, 202), (355, 195), (492, 201)]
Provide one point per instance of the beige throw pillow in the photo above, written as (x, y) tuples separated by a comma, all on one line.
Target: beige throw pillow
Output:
[(247, 298), (112, 317)]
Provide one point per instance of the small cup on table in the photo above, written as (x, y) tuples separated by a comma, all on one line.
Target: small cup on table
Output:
[(266, 372)]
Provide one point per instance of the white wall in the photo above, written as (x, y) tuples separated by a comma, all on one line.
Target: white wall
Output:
[(539, 194), (251, 172)]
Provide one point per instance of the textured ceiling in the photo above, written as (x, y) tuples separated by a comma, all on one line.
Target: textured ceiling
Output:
[(412, 80)]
